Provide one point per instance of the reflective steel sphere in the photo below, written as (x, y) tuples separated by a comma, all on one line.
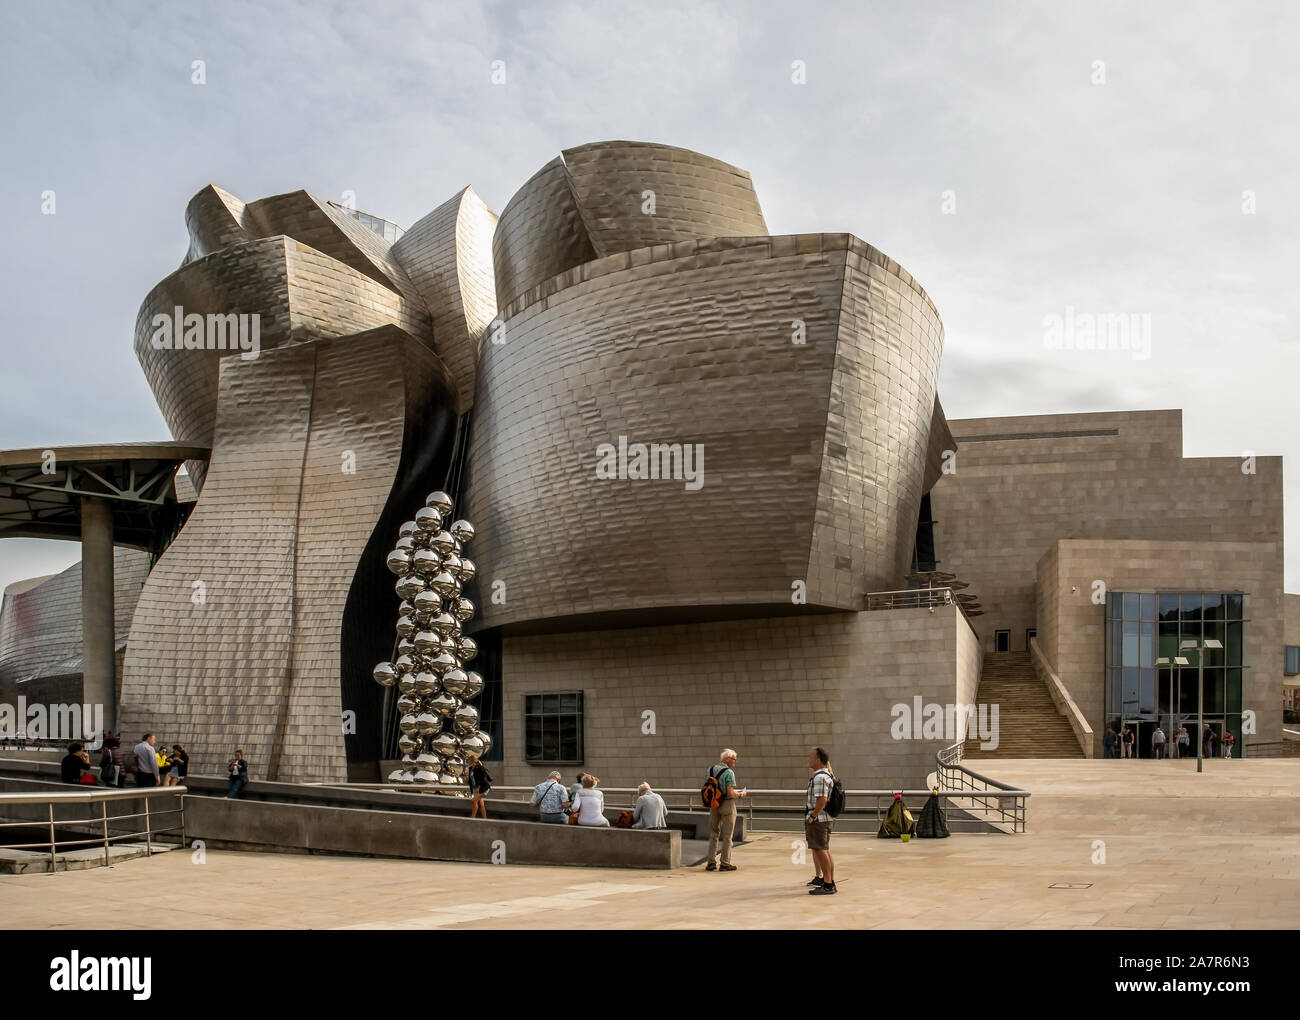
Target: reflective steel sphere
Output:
[(406, 608), (427, 603), (444, 704), (396, 776), (467, 569), (428, 519), (473, 685), (471, 745), (406, 544), (426, 724), (463, 609), (442, 662), (425, 683), (409, 586), (408, 744), (466, 720), (443, 543), (425, 777), (407, 530), (466, 648), (385, 674), (454, 681), (425, 562), (406, 626), (455, 765), (406, 683), (405, 646), (447, 779), (444, 744), (404, 663), (444, 584), (399, 562), (440, 501), (462, 531), (427, 643), (487, 741), (451, 564), (425, 760), (408, 762), (443, 623), (407, 704)]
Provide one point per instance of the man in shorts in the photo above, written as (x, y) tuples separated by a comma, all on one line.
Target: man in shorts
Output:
[(817, 824)]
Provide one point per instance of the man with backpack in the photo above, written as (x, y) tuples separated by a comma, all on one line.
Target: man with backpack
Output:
[(825, 802), (719, 794)]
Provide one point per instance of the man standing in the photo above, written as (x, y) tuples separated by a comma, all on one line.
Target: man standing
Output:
[(146, 762), (552, 799), (1158, 743), (722, 819), (817, 823), (1207, 742), (1108, 744)]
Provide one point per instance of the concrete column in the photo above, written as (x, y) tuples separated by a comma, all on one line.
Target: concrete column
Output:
[(99, 661)]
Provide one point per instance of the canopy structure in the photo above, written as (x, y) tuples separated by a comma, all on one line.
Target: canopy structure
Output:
[(104, 495)]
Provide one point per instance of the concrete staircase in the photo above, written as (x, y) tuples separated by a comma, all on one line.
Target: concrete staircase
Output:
[(1028, 724)]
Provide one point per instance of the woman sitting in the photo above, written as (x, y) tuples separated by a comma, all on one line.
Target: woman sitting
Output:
[(590, 805)]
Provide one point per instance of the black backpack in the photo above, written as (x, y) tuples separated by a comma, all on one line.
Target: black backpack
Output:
[(835, 802)]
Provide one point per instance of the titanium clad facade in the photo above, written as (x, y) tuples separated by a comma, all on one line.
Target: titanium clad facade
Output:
[(237, 640), (813, 452)]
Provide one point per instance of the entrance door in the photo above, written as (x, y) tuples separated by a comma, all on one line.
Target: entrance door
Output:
[(1002, 641)]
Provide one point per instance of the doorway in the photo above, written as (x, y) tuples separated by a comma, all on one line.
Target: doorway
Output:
[(1002, 640)]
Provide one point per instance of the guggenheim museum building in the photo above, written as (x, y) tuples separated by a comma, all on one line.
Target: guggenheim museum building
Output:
[(717, 503)]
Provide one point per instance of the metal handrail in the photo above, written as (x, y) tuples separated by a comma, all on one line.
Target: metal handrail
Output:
[(1007, 801), (102, 797)]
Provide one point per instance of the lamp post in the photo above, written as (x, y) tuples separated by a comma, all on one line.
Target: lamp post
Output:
[(1181, 660)]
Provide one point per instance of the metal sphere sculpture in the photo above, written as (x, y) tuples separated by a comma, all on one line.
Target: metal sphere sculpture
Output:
[(438, 726)]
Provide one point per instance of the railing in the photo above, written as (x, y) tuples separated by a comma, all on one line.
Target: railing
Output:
[(1061, 699), (1009, 804), (910, 598), (101, 797), (989, 795)]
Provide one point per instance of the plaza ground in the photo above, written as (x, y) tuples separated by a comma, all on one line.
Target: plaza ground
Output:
[(1218, 850)]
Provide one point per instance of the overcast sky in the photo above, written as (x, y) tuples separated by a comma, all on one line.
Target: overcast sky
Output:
[(1120, 187)]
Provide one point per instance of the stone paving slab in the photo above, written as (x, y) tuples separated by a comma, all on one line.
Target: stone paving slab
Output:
[(1156, 867)]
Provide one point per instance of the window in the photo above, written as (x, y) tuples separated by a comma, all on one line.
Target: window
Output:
[(1292, 663), (553, 729), (1002, 641)]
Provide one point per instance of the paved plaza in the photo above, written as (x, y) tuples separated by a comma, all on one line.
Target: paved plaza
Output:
[(1180, 851)]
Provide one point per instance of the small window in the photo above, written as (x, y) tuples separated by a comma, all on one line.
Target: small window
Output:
[(1002, 641), (1030, 634), (553, 728), (1291, 666)]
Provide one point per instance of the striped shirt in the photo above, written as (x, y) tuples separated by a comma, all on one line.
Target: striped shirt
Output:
[(820, 786), (550, 796)]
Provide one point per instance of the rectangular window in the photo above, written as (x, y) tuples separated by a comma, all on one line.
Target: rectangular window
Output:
[(1291, 665), (553, 728)]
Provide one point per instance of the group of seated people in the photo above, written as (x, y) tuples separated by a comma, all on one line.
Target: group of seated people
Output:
[(584, 804)]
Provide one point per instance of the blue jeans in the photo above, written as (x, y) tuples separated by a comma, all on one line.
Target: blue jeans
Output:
[(236, 784), (558, 819)]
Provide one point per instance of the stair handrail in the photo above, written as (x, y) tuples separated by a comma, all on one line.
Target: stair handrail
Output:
[(1065, 704)]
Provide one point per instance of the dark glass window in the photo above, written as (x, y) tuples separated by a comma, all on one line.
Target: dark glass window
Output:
[(1291, 663), (1233, 603), (553, 728), (1169, 608), (1191, 607)]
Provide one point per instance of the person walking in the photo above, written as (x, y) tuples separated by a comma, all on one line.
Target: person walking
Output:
[(650, 811), (1184, 742), (590, 805), (480, 781), (165, 765), (1108, 743), (552, 800), (1228, 741), (1158, 743), (109, 771), (1207, 742), (722, 819), (1130, 743), (237, 770), (817, 823), (146, 761)]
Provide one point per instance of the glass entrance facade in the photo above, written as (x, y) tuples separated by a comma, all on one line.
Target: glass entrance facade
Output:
[(1142, 627)]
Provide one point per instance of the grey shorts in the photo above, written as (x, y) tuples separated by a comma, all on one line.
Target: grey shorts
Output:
[(818, 834)]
